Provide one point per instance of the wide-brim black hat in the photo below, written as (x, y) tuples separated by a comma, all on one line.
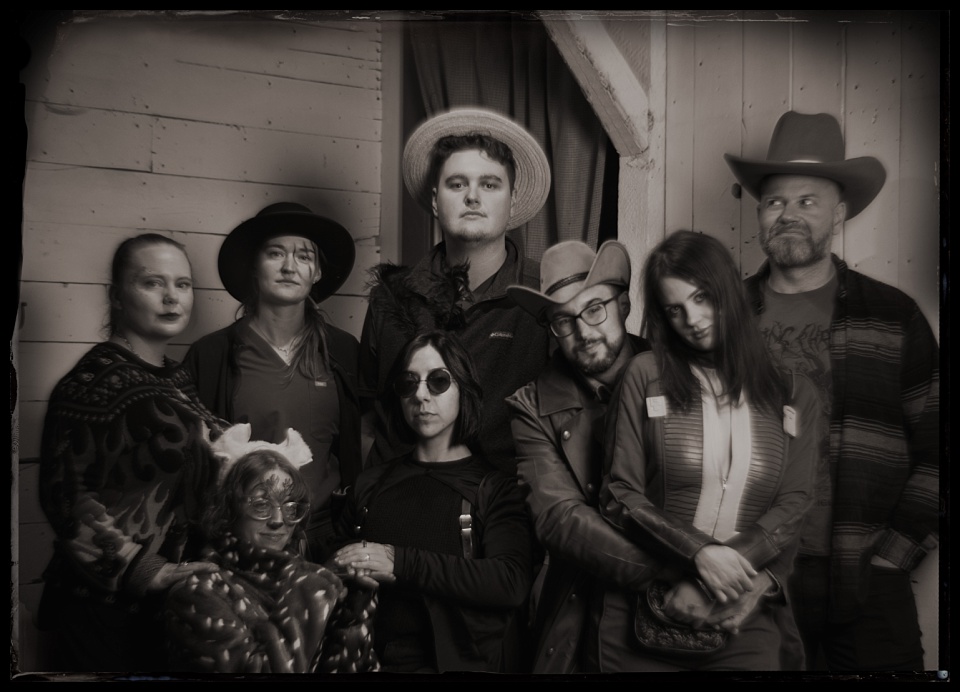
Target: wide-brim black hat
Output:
[(337, 250), (812, 145)]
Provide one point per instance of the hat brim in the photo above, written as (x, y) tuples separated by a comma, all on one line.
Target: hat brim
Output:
[(337, 249), (861, 179), (611, 266), (532, 183)]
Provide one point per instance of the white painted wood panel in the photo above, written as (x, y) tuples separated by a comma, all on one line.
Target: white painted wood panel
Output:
[(718, 94), (818, 59), (766, 96), (76, 312), (157, 77), (31, 427), (680, 128), (238, 153), (65, 254), (871, 241), (145, 201), (60, 312), (920, 153), (43, 364), (91, 137), (82, 254), (348, 54), (99, 138)]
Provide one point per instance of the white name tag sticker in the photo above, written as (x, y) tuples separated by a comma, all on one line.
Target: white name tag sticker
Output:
[(656, 406), (790, 421), (319, 383)]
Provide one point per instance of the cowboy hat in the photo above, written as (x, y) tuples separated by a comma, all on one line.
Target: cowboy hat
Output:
[(813, 145), (570, 267), (336, 256), (532, 183)]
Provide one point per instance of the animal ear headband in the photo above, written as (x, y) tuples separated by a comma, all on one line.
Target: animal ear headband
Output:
[(235, 442)]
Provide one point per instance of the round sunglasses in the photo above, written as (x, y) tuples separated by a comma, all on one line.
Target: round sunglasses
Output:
[(262, 509), (438, 381)]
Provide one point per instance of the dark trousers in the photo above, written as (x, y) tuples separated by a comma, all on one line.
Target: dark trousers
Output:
[(885, 635)]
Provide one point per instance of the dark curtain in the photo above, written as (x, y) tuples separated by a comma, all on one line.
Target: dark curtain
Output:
[(511, 65)]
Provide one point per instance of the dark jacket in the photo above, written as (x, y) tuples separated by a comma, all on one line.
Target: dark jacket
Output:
[(884, 432), (211, 363), (507, 346), (558, 426), (474, 603)]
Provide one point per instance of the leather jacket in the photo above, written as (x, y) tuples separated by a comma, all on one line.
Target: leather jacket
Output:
[(558, 425)]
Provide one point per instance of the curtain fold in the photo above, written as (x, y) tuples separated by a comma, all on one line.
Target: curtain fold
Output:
[(514, 67)]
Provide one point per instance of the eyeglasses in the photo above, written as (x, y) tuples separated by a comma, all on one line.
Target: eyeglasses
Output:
[(262, 509), (592, 315), (438, 381)]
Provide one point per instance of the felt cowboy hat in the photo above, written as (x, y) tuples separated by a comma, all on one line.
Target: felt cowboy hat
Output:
[(337, 251), (569, 267), (813, 145), (532, 182)]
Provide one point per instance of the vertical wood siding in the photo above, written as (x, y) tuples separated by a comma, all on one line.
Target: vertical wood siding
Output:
[(879, 73)]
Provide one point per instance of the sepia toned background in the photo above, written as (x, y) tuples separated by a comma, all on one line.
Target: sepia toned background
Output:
[(188, 123)]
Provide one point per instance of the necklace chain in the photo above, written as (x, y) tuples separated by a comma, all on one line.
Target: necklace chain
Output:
[(132, 350), (285, 351), (130, 346)]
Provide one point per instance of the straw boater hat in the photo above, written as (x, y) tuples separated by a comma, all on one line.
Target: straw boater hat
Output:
[(337, 251), (532, 182), (570, 267), (813, 145)]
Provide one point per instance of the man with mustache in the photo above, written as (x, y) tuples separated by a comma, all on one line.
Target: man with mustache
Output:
[(558, 426), (876, 363), (479, 174)]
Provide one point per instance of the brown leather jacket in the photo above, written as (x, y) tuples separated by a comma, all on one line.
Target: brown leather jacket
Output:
[(558, 425)]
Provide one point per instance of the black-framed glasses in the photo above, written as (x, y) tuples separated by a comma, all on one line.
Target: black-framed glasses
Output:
[(262, 509), (592, 315), (438, 381)]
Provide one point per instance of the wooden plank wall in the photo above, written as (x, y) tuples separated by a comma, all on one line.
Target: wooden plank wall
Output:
[(729, 78), (182, 126), (728, 81)]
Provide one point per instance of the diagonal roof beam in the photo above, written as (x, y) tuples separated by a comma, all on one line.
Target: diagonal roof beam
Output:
[(608, 80)]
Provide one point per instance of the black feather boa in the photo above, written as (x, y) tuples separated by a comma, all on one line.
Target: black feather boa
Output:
[(415, 301)]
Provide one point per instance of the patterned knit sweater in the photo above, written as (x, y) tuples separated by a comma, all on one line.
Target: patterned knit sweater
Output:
[(122, 463)]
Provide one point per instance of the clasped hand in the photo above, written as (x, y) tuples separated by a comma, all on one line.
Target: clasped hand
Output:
[(368, 563), (726, 572), (686, 602)]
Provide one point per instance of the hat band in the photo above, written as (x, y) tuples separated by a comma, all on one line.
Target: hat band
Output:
[(565, 282)]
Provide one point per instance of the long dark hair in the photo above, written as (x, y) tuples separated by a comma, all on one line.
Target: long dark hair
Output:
[(225, 505), (122, 259), (739, 354), (313, 336), (461, 367)]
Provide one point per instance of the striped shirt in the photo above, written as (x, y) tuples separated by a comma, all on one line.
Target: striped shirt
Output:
[(884, 431)]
